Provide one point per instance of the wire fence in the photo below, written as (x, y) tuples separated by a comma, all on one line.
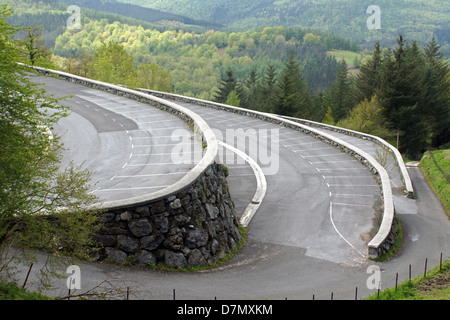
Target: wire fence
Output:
[(107, 290)]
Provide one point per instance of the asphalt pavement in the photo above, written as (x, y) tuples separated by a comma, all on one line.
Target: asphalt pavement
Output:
[(131, 148), (310, 233)]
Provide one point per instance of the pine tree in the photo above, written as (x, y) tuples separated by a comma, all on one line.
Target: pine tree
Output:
[(436, 94), (249, 95), (233, 99), (268, 89), (328, 118), (368, 80), (227, 85), (339, 94), (399, 97), (293, 95)]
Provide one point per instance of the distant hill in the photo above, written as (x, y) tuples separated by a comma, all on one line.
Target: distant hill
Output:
[(139, 12), (111, 10), (52, 15), (415, 19)]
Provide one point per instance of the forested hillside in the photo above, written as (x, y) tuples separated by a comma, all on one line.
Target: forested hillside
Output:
[(400, 93), (195, 60), (415, 19)]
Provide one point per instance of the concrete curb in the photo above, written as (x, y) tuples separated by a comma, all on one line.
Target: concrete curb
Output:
[(261, 185)]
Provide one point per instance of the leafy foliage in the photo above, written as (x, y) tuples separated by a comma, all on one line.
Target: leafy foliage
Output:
[(414, 19), (41, 204)]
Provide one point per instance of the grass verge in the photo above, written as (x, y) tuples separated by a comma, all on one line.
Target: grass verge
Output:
[(434, 286), (436, 167)]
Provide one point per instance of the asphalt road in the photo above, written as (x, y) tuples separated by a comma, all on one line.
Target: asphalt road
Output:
[(131, 148), (308, 236), (318, 198)]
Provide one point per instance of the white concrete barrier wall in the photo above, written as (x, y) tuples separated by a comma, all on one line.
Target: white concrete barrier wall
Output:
[(409, 190), (201, 126), (378, 244)]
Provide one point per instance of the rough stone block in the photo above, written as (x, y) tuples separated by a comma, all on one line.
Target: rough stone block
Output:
[(140, 228), (144, 258), (127, 244), (196, 238), (175, 259)]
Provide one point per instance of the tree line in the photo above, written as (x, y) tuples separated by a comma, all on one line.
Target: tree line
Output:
[(194, 60), (417, 20), (400, 94)]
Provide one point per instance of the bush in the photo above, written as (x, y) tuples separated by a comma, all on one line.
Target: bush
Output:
[(10, 291)]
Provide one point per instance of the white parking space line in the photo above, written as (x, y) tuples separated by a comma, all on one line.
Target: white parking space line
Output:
[(150, 164), (161, 154), (354, 185), (300, 144), (150, 116), (168, 128), (352, 205), (125, 189), (307, 150), (147, 175), (335, 161), (359, 177), (345, 169), (351, 195), (327, 155), (156, 121)]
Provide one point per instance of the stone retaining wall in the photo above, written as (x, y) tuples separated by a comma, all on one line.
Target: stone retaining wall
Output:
[(196, 227)]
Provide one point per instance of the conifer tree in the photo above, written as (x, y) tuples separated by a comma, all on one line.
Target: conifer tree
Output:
[(399, 97), (368, 80), (269, 89), (339, 94), (233, 99), (249, 95), (227, 85), (293, 96), (436, 94)]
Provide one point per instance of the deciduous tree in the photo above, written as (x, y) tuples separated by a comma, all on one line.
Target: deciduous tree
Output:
[(41, 204)]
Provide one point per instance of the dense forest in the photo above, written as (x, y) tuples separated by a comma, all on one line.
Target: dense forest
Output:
[(196, 61), (400, 93), (415, 19)]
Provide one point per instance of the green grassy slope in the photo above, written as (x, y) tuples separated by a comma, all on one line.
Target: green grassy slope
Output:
[(436, 166)]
